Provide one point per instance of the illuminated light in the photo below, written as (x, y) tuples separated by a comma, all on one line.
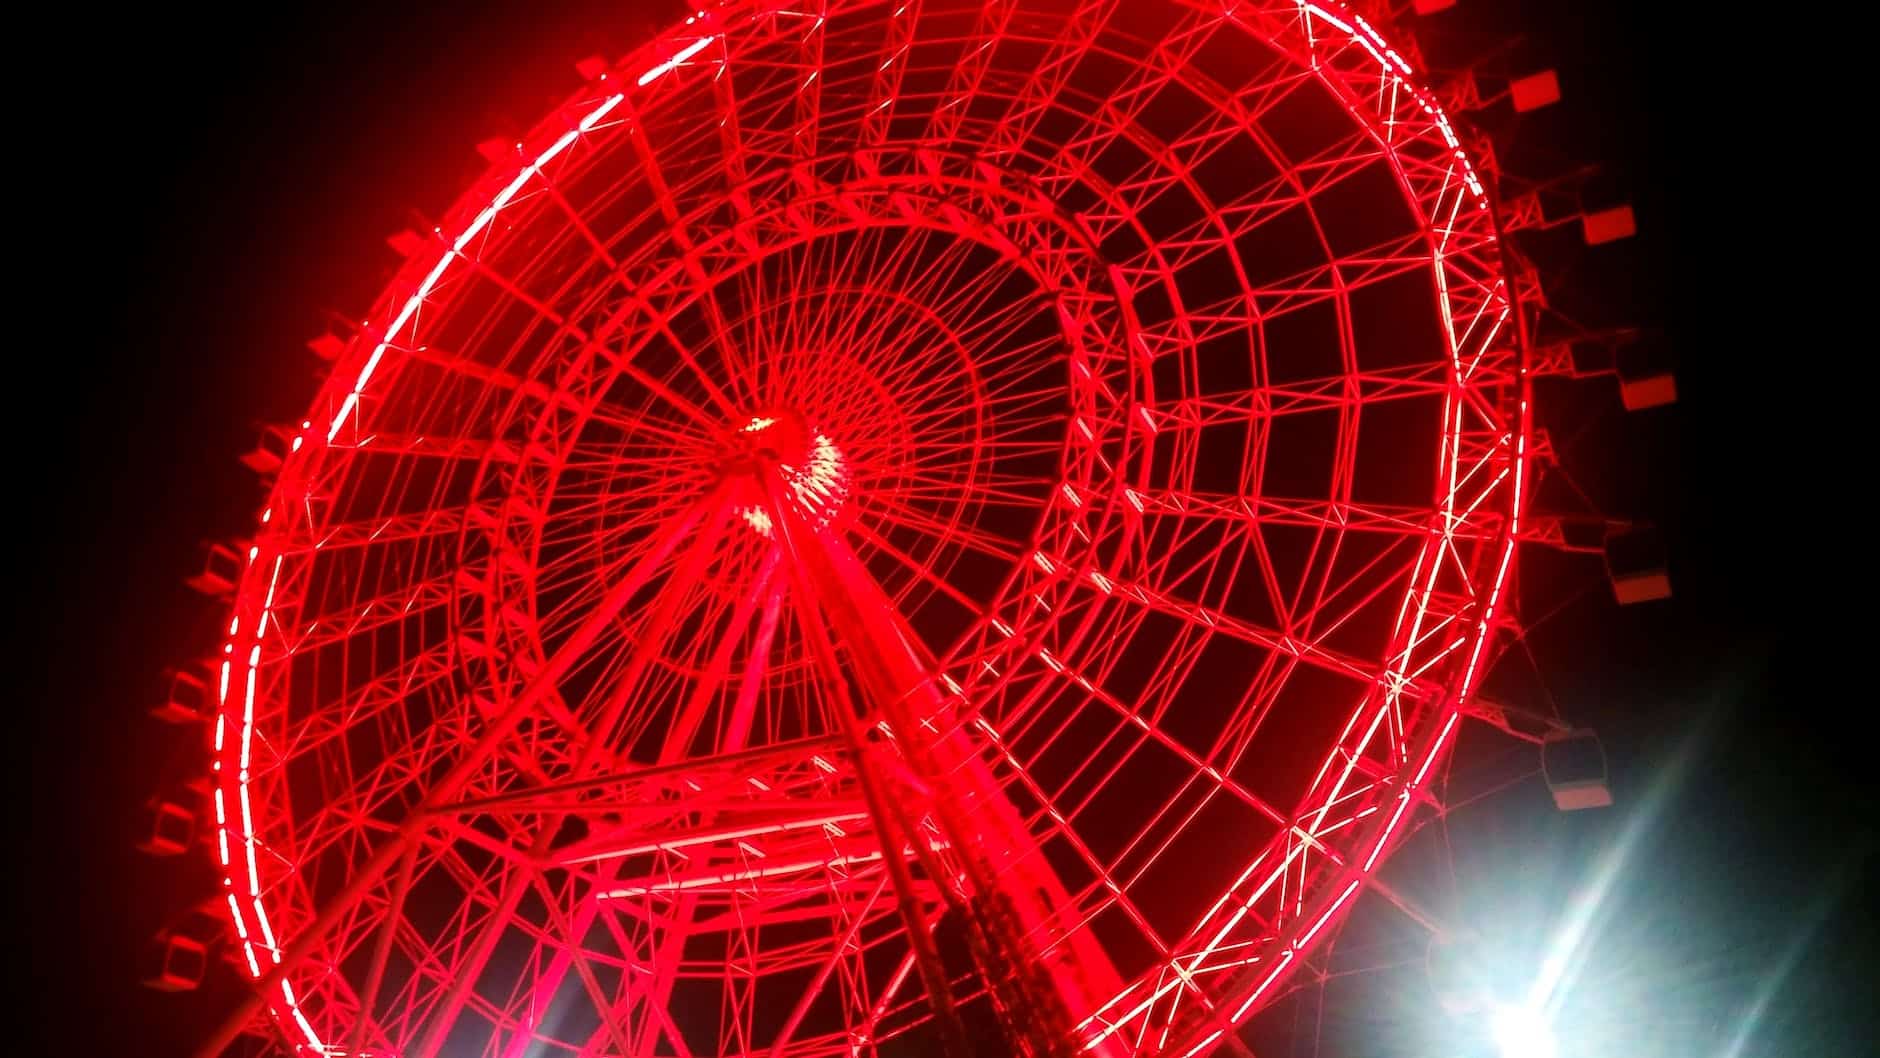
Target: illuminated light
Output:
[(1285, 957), (300, 1018), (1038, 558), (594, 117), (1522, 1032), (1396, 817), (1148, 419), (562, 144), (676, 61), (1070, 494), (1441, 739), (733, 878), (1102, 582), (1306, 937), (758, 519), (1134, 498)]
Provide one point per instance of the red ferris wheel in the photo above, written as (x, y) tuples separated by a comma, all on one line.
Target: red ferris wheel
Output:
[(881, 525)]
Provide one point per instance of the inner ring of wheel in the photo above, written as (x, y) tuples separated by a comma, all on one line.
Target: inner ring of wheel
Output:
[(955, 196)]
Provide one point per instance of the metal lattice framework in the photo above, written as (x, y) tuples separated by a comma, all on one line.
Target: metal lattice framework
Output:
[(869, 473)]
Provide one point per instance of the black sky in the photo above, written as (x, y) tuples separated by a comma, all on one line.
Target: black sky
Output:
[(219, 185)]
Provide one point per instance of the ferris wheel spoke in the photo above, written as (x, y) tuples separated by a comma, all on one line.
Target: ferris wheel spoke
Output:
[(1330, 393), (884, 84), (656, 322), (1061, 827), (718, 668), (375, 701), (1213, 619), (577, 586), (715, 637), (1046, 79), (860, 328), (388, 445), (678, 227), (1227, 222), (969, 72), (1360, 590), (855, 327), (334, 626), (1184, 507), (465, 973), (692, 412), (654, 631), (377, 531), (1009, 489), (1151, 728), (598, 249), (847, 948), (921, 569), (807, 96), (929, 398), (573, 934), (492, 375), (905, 515)]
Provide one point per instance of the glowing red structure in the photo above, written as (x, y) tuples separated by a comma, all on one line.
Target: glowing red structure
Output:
[(878, 520)]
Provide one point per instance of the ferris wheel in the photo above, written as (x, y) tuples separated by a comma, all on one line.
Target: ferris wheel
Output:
[(882, 526)]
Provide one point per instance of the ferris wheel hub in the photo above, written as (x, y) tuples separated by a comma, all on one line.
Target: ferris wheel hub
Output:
[(781, 441), (775, 436)]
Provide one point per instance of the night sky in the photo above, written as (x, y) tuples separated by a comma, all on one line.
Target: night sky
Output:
[(221, 187)]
